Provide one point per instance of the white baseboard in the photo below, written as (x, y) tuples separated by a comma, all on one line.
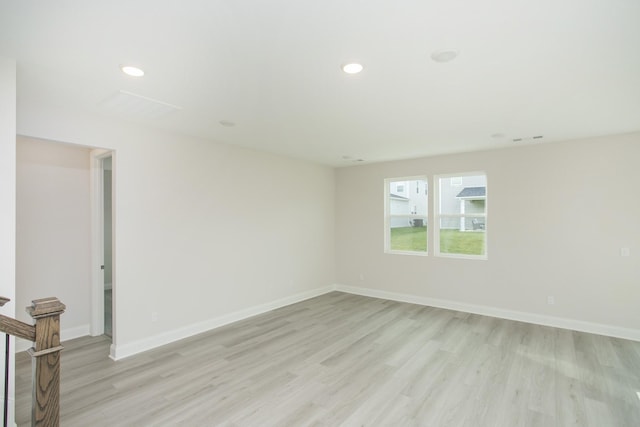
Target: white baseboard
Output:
[(119, 352), (77, 332), (521, 316), (65, 334)]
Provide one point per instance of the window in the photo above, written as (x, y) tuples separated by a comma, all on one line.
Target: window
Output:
[(461, 216), (406, 216)]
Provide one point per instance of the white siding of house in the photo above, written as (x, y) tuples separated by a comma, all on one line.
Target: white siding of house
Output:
[(398, 206), (411, 200)]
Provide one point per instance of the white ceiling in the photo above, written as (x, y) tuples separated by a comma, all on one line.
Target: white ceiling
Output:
[(563, 69)]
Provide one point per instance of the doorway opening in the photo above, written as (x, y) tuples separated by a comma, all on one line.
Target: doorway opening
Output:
[(103, 300), (107, 228)]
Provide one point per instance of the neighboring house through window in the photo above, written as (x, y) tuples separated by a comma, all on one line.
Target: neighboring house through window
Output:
[(406, 215), (461, 215)]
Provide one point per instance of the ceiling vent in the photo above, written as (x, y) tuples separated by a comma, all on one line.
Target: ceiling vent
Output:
[(532, 138), (131, 104)]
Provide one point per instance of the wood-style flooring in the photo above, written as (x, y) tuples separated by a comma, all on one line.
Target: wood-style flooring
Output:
[(347, 360)]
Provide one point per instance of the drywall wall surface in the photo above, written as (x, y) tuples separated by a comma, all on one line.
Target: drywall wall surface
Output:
[(53, 242), (201, 229), (7, 181), (8, 201), (559, 216)]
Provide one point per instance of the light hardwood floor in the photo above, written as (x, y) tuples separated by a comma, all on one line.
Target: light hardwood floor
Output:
[(341, 359)]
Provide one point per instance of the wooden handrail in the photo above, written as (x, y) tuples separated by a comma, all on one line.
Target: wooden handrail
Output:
[(17, 328), (45, 356)]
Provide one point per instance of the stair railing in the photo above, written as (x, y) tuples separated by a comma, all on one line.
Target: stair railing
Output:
[(45, 354)]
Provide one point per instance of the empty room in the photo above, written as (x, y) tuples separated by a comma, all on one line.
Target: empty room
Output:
[(335, 213)]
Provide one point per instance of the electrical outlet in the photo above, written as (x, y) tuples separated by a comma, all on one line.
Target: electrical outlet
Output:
[(154, 316), (625, 252), (551, 300), (361, 276)]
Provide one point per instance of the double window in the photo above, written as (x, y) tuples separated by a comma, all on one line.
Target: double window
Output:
[(459, 220)]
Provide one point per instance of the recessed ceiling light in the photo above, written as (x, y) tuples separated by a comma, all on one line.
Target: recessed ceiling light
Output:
[(352, 68), (132, 71), (227, 123), (444, 55)]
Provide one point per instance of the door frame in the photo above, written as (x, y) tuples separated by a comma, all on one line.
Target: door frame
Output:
[(97, 241)]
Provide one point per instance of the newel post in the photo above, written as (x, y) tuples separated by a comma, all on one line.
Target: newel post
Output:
[(46, 361)]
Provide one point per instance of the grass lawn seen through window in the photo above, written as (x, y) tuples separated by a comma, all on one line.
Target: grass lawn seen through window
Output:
[(414, 239)]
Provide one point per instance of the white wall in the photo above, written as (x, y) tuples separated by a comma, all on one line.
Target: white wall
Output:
[(53, 245), (8, 201), (187, 244), (559, 215)]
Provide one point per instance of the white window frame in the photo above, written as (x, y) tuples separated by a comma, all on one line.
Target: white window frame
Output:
[(388, 216), (437, 215)]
